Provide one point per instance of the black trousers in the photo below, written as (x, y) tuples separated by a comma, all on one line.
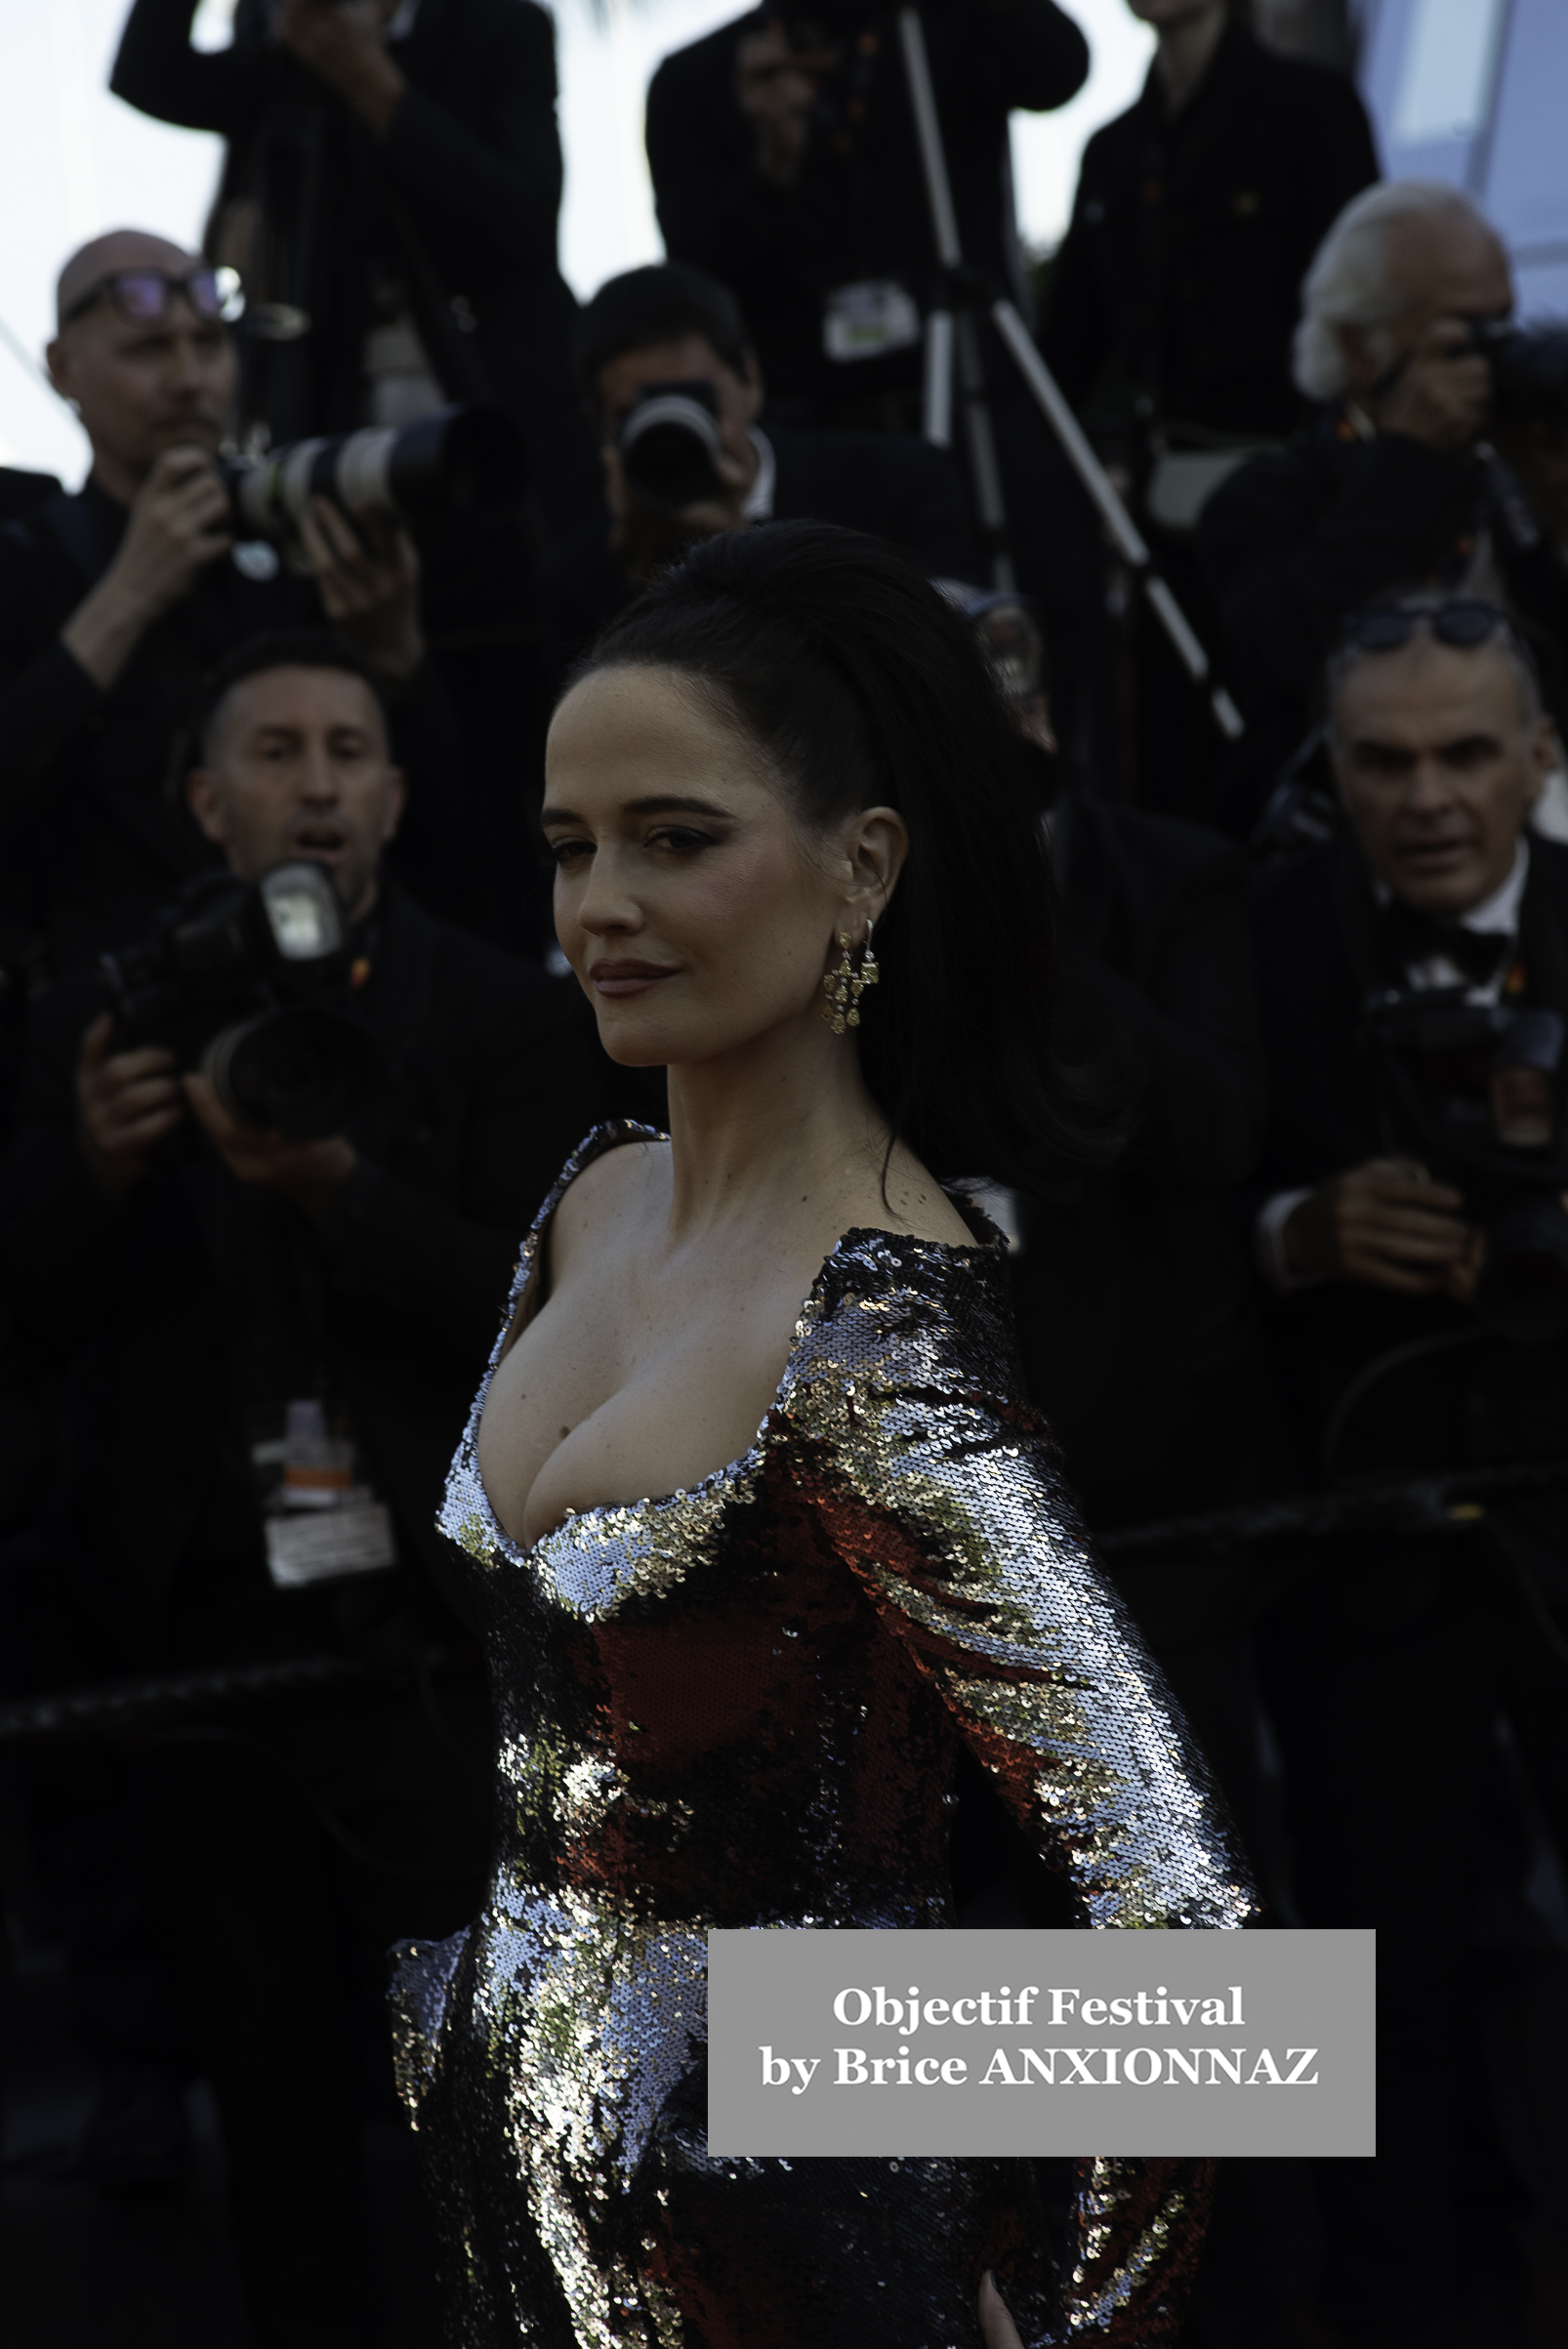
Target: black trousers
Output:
[(282, 1863), (1390, 1676)]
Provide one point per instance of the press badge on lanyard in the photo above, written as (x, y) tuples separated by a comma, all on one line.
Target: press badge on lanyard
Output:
[(864, 321), (321, 1522)]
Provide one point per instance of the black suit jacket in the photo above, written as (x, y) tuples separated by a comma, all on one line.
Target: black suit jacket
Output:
[(153, 1313), (95, 833), (91, 838), (858, 209), (1296, 540), (888, 484), (1139, 1326), (1190, 238), (461, 196), (1484, 1401)]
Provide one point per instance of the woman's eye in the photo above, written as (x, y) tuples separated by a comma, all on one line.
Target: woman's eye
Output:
[(568, 852), (678, 838)]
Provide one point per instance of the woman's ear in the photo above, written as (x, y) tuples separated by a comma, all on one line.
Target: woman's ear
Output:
[(878, 846)]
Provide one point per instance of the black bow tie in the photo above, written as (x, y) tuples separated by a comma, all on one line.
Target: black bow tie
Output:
[(1409, 936)]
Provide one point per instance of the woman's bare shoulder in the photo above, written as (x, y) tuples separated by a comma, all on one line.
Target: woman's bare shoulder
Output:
[(909, 1199), (610, 1189)]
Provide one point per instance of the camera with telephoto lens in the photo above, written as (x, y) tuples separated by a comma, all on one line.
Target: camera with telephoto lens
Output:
[(670, 445), (1476, 1091), (457, 460), (248, 982), (1529, 371)]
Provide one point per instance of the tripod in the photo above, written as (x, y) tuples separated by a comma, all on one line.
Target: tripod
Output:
[(953, 350)]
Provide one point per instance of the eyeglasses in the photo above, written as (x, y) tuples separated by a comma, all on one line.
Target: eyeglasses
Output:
[(1387, 628), (146, 296)]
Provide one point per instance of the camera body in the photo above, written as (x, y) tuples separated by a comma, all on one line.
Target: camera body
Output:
[(247, 981), (1529, 371), (1476, 1091), (670, 444), (457, 460)]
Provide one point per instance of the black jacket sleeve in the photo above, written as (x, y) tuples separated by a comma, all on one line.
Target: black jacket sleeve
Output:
[(1026, 55), (59, 1231), (1180, 1003), (46, 701), (1293, 543), (498, 186), (1338, 156), (1077, 333), (158, 73), (717, 211)]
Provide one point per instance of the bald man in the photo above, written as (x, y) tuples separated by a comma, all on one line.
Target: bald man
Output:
[(115, 603)]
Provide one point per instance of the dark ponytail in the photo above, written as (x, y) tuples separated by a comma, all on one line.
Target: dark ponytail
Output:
[(862, 686)]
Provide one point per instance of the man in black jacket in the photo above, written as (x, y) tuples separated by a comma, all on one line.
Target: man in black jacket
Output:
[(1173, 301), (1196, 216), (785, 163), (118, 602), (1395, 485), (668, 324), (240, 1326), (1397, 1323), (389, 197)]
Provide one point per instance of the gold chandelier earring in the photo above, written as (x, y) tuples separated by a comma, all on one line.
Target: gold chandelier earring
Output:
[(846, 982)]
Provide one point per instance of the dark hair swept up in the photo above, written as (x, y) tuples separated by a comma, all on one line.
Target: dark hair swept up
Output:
[(863, 687)]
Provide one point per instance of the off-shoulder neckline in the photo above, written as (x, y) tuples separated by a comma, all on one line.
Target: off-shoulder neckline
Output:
[(593, 1146)]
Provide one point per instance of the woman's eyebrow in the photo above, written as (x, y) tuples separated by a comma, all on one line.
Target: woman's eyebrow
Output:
[(661, 804)]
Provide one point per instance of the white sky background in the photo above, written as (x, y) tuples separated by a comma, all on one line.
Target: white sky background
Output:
[(74, 161)]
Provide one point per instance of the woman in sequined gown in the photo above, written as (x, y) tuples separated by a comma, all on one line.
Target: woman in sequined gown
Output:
[(754, 1574)]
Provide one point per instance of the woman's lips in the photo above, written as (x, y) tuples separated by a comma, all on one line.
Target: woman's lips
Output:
[(628, 978)]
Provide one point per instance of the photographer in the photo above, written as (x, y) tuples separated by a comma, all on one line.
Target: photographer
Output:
[(264, 1347), (117, 601), (1414, 986), (1173, 301), (785, 163), (390, 196), (1196, 216), (1398, 480), (671, 327)]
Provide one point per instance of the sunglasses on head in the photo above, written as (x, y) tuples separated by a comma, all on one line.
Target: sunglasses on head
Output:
[(147, 297), (1386, 628)]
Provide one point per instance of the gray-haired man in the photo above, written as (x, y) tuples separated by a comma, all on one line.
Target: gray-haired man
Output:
[(1413, 978), (1395, 485)]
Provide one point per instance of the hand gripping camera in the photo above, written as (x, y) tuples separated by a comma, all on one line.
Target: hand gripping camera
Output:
[(1529, 371), (1477, 1091), (247, 981)]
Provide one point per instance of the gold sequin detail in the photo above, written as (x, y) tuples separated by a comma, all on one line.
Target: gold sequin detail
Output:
[(742, 1704)]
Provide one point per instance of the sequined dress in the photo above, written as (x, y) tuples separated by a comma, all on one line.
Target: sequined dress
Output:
[(741, 1705)]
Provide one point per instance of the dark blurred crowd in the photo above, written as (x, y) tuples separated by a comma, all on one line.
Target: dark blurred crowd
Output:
[(288, 1061)]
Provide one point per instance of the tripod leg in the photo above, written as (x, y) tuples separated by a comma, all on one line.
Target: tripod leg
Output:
[(937, 418), (1120, 523), (984, 466)]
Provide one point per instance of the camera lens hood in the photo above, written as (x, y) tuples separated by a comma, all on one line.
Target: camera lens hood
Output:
[(670, 447), (464, 460)]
